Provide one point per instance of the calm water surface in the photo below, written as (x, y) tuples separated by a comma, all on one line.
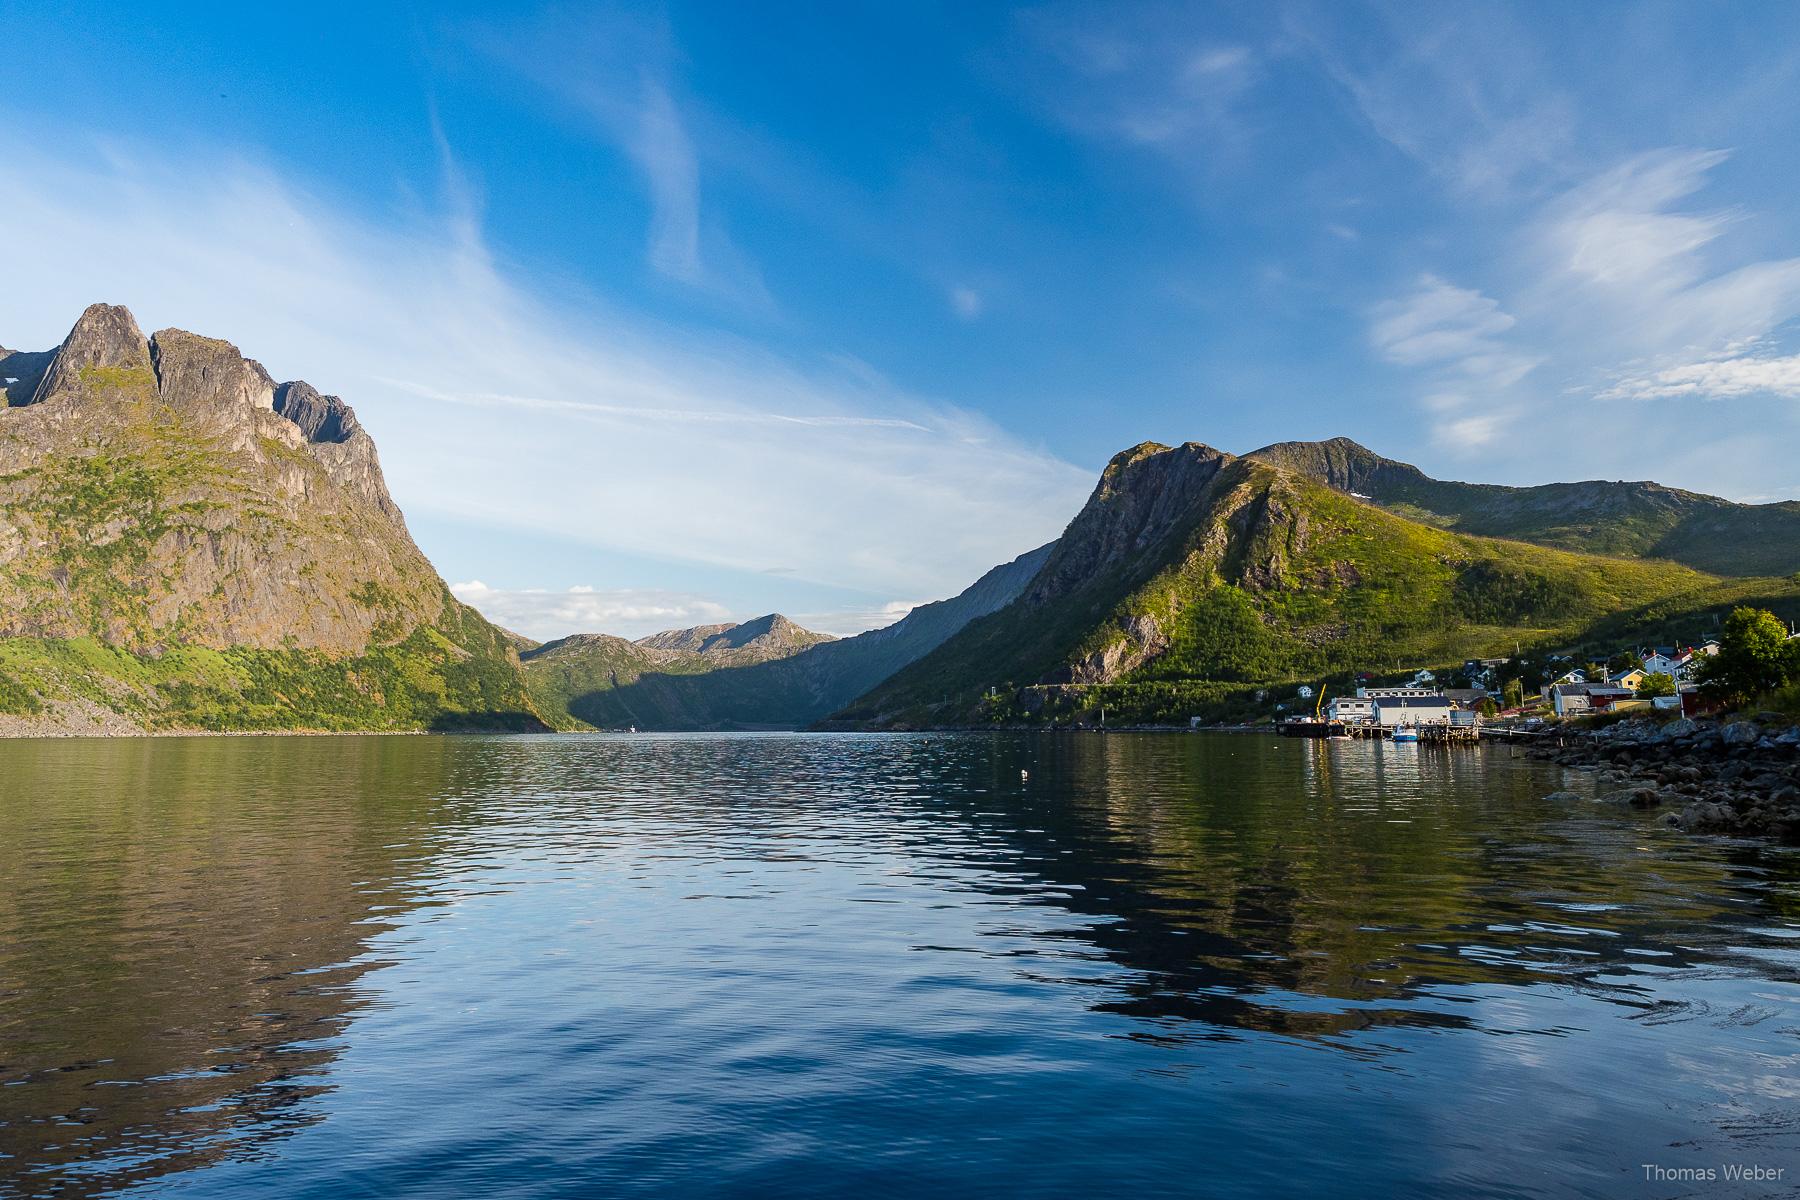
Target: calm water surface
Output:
[(818, 965)]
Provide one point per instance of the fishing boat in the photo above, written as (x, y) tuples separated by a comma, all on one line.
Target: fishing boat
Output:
[(1405, 733)]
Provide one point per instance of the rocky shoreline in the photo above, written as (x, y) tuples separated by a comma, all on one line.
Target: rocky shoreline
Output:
[(1735, 776)]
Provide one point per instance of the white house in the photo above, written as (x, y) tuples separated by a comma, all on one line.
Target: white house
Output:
[(1351, 710), (1570, 698), (1659, 663)]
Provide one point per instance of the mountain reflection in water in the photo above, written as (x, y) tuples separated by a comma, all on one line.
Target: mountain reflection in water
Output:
[(807, 963)]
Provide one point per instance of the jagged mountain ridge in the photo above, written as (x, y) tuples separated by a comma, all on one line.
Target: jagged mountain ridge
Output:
[(1639, 519), (1191, 572), (164, 496)]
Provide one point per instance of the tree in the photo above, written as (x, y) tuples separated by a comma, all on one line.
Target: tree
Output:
[(1656, 684), (1487, 707), (1623, 661), (1513, 693), (1755, 656)]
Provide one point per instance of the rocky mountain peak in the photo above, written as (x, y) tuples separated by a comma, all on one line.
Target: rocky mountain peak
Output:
[(320, 418), (153, 489), (207, 375), (1145, 495), (105, 344)]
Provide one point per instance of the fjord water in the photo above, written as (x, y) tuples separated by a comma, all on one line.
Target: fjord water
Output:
[(888, 965)]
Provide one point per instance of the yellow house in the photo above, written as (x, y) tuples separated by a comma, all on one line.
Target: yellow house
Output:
[(1633, 679)]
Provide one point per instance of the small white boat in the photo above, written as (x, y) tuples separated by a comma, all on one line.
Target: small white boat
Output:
[(1405, 733)]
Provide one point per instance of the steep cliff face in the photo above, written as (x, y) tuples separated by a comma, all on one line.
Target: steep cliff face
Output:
[(1636, 519), (1146, 495), (164, 493)]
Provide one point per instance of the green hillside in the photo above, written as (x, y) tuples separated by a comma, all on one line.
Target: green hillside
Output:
[(1638, 519), (1193, 579), (452, 676)]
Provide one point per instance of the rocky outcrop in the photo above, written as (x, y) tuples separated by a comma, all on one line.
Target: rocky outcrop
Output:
[(320, 418), (20, 374), (1141, 640), (105, 340), (1737, 777), (1146, 495)]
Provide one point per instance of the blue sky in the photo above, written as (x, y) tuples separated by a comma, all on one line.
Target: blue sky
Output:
[(671, 314)]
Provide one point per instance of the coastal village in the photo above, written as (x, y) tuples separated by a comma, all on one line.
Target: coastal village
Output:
[(1453, 705)]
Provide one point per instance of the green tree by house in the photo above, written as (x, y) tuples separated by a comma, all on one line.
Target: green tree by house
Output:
[(1513, 693), (1656, 684), (1755, 656)]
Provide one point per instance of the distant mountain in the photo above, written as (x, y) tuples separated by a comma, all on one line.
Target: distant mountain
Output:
[(1193, 576), (1642, 519), (186, 543), (704, 678), (678, 679), (742, 645)]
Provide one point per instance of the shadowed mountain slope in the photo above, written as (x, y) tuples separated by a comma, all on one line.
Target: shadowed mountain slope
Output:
[(662, 682)]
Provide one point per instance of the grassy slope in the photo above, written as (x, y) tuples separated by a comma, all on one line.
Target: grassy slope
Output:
[(1638, 519), (455, 675), (1312, 584)]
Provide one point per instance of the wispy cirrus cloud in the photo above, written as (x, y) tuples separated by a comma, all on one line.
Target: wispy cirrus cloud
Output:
[(1457, 336), (616, 68), (1619, 291), (496, 408)]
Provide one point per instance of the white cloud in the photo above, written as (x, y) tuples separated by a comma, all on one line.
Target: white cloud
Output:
[(1459, 338), (965, 302), (624, 612), (1626, 273), (1468, 433), (1438, 322), (1720, 378), (497, 408)]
